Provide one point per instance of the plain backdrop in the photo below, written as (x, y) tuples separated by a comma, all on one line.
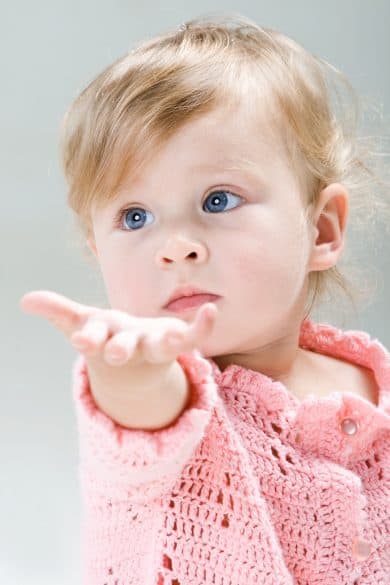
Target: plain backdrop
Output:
[(49, 51)]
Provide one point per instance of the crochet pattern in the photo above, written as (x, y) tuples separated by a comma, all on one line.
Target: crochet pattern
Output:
[(249, 486)]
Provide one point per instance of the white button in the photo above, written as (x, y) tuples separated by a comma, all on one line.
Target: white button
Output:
[(349, 426), (361, 549)]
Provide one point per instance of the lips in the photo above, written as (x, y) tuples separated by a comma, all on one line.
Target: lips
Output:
[(186, 290), (191, 302)]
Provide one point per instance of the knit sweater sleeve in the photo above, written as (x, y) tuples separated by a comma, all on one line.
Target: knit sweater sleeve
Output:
[(118, 461), (124, 473)]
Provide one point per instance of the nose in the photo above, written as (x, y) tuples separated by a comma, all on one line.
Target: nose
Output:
[(181, 249)]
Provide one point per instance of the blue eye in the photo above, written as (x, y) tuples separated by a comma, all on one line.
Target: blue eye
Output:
[(133, 218), (219, 199)]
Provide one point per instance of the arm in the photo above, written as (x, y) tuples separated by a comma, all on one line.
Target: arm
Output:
[(165, 392), (125, 472), (129, 462), (132, 362), (126, 356)]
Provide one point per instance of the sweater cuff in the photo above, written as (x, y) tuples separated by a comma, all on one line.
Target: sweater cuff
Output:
[(111, 453)]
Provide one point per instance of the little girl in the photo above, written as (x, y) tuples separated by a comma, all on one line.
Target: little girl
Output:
[(225, 438)]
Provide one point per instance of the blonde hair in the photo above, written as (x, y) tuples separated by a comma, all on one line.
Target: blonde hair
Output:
[(138, 102)]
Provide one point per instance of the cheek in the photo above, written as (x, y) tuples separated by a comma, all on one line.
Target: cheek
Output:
[(268, 267), (252, 261), (257, 252), (125, 290)]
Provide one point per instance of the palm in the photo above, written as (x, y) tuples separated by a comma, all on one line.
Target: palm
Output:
[(118, 335)]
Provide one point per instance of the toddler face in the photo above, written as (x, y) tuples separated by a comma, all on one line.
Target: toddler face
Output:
[(200, 219)]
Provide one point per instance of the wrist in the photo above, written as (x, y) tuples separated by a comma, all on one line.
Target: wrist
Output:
[(148, 396)]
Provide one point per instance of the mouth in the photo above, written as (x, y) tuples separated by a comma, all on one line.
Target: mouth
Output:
[(189, 303)]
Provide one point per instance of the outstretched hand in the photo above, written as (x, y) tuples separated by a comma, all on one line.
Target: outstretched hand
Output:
[(116, 336)]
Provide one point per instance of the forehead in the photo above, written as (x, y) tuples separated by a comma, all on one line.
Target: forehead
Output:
[(228, 132), (229, 138)]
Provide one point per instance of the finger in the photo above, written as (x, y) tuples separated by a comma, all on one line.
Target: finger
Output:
[(92, 337), (160, 345), (165, 346), (100, 327), (204, 321), (121, 347), (201, 327), (62, 312)]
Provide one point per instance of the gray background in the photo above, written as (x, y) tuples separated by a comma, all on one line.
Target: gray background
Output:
[(49, 51)]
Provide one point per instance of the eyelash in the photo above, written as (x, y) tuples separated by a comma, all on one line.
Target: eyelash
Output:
[(122, 212)]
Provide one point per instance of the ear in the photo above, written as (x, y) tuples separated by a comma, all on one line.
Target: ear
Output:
[(329, 224)]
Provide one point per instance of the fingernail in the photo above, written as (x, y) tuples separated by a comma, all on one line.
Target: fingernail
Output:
[(115, 356)]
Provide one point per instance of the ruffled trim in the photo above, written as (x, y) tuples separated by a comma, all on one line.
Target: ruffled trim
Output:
[(354, 346), (314, 424), (110, 450)]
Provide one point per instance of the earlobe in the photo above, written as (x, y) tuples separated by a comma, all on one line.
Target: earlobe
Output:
[(330, 220)]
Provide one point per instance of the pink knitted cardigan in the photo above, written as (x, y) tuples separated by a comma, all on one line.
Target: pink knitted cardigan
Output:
[(249, 486)]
